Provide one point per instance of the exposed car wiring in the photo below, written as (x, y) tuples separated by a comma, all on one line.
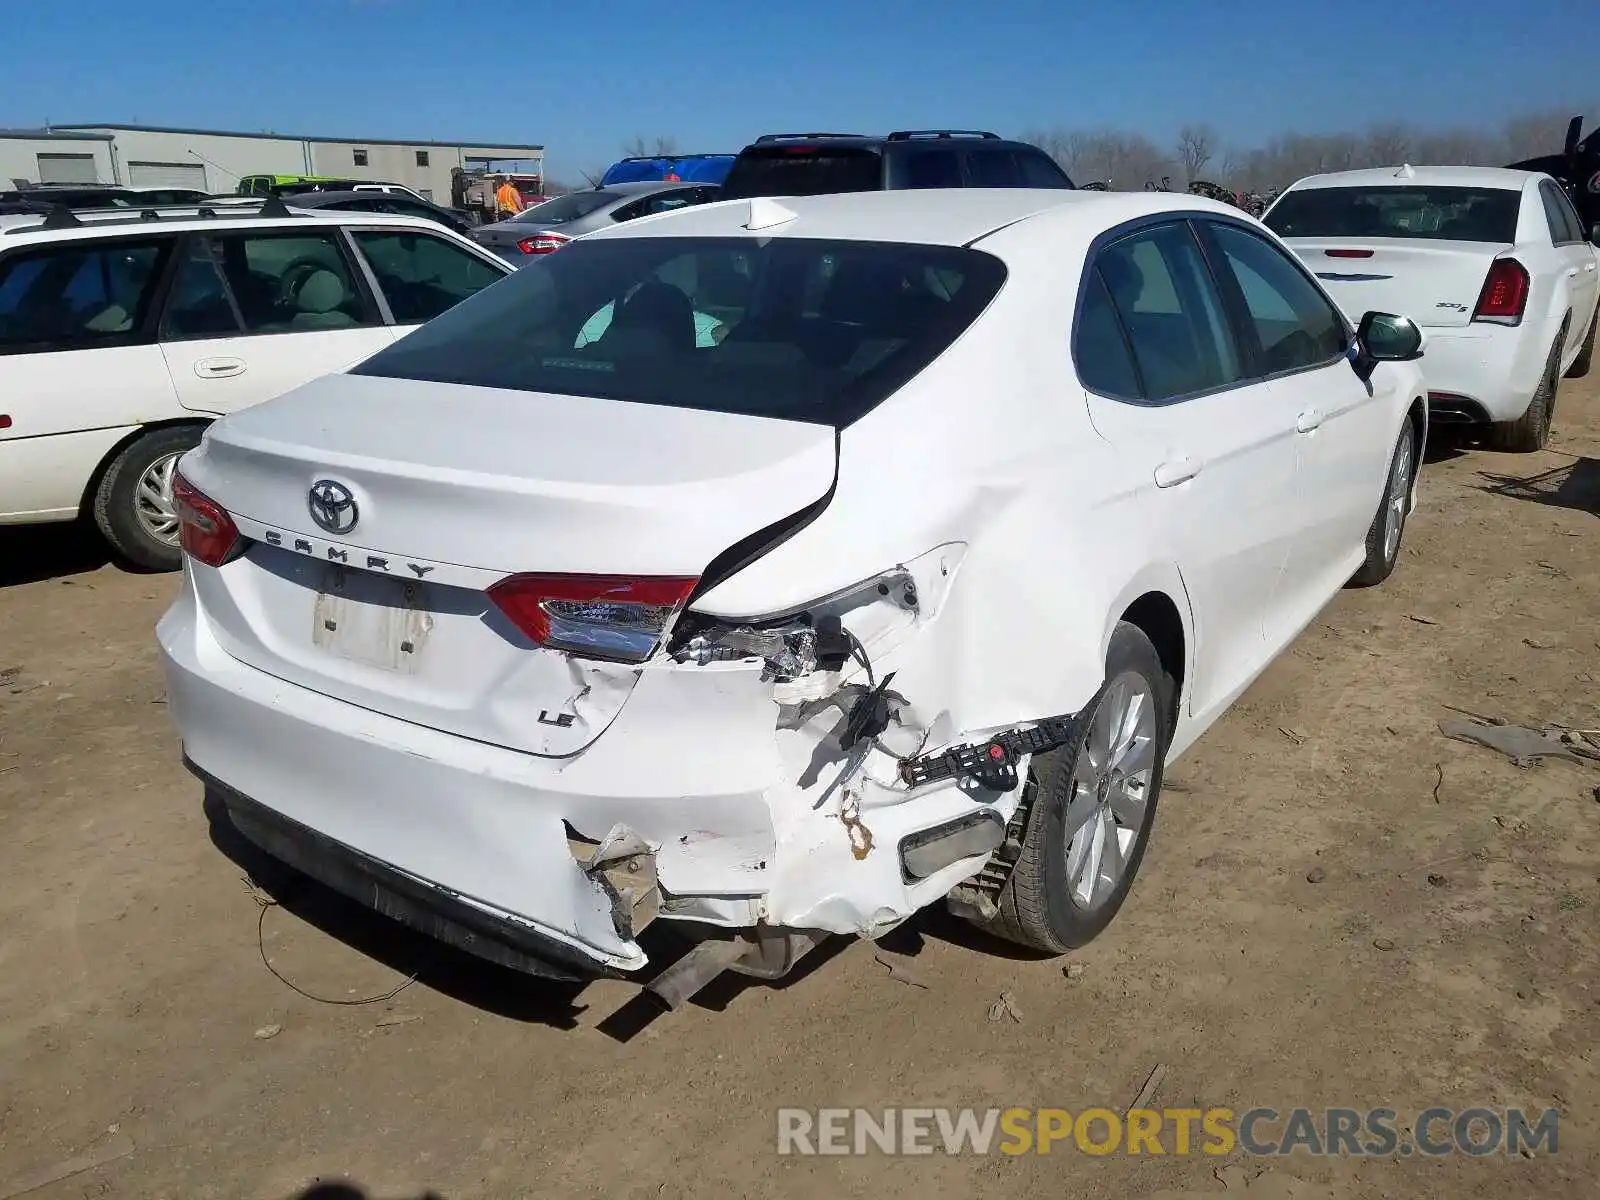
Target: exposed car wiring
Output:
[(263, 903)]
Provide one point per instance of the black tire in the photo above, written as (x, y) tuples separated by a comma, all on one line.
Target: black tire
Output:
[(1036, 907), (116, 499), (1381, 557), (1580, 365), (1531, 431)]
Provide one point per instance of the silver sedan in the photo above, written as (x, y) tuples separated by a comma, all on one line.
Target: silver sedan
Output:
[(547, 227)]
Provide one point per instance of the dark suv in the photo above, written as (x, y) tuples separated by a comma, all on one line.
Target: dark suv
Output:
[(811, 164)]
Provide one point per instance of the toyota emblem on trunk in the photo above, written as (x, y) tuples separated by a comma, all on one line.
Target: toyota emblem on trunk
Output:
[(333, 506)]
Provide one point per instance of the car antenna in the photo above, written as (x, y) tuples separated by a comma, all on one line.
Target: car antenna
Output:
[(1405, 172), (766, 213), (273, 206)]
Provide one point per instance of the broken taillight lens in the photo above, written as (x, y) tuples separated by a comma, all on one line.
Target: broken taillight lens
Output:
[(617, 617), (205, 530)]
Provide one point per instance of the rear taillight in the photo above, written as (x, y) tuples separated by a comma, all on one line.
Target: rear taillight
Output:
[(1505, 293), (205, 530), (616, 617), (1348, 253), (543, 243)]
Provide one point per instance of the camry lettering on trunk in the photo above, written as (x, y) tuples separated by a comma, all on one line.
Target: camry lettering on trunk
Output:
[(339, 554)]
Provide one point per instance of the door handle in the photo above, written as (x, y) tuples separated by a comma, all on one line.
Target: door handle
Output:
[(1178, 470), (1588, 266), (1308, 420), (1572, 272), (219, 368)]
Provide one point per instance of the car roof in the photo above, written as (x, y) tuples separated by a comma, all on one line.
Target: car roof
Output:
[(1484, 177), (27, 230), (639, 186), (936, 217), (318, 199)]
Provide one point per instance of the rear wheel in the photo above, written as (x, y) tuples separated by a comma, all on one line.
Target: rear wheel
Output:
[(1090, 806), (133, 505), (1389, 525), (1580, 365), (1531, 431)]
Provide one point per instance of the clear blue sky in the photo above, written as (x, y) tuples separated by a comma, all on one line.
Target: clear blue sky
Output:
[(583, 78)]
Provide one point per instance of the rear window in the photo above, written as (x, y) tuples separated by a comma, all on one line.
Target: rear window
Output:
[(803, 171), (570, 207), (1450, 214), (794, 328)]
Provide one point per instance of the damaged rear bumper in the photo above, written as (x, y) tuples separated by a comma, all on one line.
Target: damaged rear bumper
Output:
[(700, 803)]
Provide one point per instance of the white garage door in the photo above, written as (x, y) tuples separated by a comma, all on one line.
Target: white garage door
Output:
[(67, 168), (154, 174)]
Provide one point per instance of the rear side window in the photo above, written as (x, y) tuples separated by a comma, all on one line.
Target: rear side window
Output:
[(273, 283), (423, 276), (1168, 303), (1099, 347), (1564, 230), (1450, 214), (935, 168), (792, 328), (571, 207), (78, 295), (803, 171)]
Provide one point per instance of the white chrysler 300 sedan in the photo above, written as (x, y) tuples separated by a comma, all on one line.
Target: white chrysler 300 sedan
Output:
[(782, 567)]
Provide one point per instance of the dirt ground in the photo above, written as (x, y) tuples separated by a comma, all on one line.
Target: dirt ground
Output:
[(1340, 908)]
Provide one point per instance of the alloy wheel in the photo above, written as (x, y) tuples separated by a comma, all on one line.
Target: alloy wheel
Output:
[(1110, 790)]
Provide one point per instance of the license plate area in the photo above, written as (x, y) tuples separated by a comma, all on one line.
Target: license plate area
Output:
[(376, 620)]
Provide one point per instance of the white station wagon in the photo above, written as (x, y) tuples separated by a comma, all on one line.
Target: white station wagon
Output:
[(122, 336), (779, 568)]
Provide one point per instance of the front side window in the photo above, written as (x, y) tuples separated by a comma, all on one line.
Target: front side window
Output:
[(286, 283), (1168, 303), (78, 295), (1295, 325), (421, 275), (793, 328)]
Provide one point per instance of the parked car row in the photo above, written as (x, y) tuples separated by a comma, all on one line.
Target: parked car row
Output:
[(677, 576)]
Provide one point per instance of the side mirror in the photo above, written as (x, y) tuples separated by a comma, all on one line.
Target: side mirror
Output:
[(1384, 337), (1594, 234)]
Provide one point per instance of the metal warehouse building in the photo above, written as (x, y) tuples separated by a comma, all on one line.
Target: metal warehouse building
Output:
[(215, 160)]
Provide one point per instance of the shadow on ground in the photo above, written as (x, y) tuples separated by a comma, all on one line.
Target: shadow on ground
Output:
[(471, 980), (1574, 485), (31, 553), (343, 1190), (443, 968)]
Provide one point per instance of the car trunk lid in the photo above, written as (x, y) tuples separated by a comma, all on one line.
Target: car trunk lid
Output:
[(1435, 283), (455, 488)]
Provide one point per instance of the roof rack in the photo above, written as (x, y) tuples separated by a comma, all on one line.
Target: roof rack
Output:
[(906, 135), (780, 137), (61, 217)]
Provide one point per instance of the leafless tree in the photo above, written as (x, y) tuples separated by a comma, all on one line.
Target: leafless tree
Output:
[(641, 147), (1197, 144), (1127, 160), (1388, 145)]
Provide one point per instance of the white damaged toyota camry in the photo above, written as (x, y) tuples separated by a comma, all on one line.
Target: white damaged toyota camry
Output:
[(779, 568)]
